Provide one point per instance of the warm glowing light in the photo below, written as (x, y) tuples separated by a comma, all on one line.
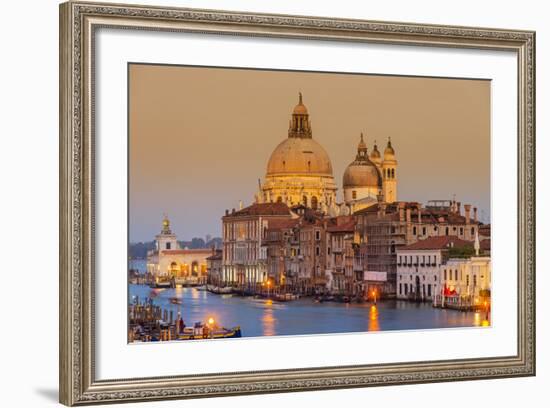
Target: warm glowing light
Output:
[(211, 321), (485, 323)]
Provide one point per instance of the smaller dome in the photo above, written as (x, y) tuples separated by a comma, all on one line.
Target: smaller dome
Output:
[(363, 174), (300, 109)]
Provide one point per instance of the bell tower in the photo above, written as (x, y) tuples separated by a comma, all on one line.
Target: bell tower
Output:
[(166, 240), (389, 174)]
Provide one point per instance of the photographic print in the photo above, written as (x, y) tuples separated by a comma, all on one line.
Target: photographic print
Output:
[(282, 203)]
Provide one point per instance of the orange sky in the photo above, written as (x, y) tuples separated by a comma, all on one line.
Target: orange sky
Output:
[(201, 137)]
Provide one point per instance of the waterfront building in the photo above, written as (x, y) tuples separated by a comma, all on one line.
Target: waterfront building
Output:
[(340, 270), (170, 262), (244, 263), (385, 227), (279, 254), (419, 265), (466, 280), (310, 259), (214, 268)]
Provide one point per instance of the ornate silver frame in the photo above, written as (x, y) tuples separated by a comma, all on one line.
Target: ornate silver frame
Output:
[(78, 21)]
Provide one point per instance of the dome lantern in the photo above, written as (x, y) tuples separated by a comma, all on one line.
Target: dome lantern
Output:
[(300, 126)]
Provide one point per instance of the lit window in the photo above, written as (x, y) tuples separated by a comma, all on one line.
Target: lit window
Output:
[(354, 194)]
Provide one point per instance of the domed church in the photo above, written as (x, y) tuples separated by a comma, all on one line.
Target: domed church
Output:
[(299, 169), (369, 178)]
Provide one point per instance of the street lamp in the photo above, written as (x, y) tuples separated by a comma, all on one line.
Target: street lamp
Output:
[(268, 287)]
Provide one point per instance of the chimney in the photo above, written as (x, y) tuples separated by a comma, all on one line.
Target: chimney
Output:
[(467, 212), (458, 208), (408, 214), (475, 215), (419, 209), (226, 211), (401, 212)]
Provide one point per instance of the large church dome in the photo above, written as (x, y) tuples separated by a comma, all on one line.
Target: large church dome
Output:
[(299, 169), (299, 156)]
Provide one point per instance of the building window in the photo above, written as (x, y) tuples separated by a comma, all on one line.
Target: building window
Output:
[(445, 274), (328, 250), (467, 280), (475, 280), (392, 173), (304, 200), (423, 230), (435, 278), (446, 230), (461, 231), (473, 231), (280, 199), (429, 290), (168, 245), (400, 289), (314, 202), (456, 275), (317, 251), (354, 194), (414, 230), (317, 235)]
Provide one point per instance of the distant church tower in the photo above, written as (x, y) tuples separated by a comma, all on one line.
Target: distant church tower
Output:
[(166, 240), (389, 174)]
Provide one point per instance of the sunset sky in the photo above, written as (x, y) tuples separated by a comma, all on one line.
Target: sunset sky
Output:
[(200, 138)]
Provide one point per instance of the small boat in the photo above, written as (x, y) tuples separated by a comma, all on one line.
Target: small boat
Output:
[(161, 284), (175, 301)]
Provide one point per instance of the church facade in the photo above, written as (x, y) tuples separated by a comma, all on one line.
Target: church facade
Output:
[(168, 262)]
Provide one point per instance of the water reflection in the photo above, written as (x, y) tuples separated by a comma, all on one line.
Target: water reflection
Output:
[(268, 319), (374, 324), (260, 317)]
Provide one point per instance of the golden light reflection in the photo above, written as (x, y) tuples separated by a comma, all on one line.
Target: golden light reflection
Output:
[(374, 324), (268, 319), (485, 323), (477, 319)]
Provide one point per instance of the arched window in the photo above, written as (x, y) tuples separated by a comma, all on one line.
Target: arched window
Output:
[(392, 173), (279, 199), (314, 202)]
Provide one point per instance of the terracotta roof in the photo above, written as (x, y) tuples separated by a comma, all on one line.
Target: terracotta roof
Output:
[(214, 257), (347, 226), (262, 209), (443, 242), (279, 224)]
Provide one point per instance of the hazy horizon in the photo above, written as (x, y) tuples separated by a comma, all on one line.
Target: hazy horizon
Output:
[(200, 138)]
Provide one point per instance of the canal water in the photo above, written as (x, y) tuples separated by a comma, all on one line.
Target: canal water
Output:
[(264, 317)]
